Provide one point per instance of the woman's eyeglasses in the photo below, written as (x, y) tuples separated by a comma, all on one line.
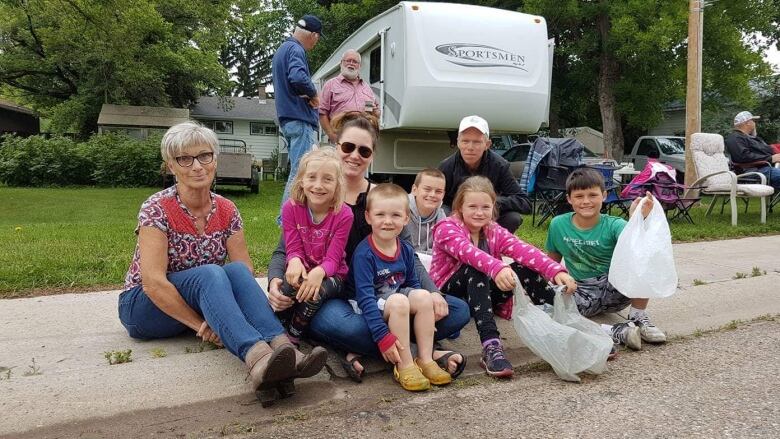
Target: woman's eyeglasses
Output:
[(348, 147), (204, 158)]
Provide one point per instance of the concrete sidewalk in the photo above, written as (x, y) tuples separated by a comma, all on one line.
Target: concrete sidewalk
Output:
[(68, 334)]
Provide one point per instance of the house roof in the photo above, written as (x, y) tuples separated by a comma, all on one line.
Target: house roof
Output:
[(128, 115), (238, 108), (8, 105)]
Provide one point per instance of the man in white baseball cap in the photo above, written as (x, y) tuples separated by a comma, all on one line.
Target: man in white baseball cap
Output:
[(750, 153), (474, 157)]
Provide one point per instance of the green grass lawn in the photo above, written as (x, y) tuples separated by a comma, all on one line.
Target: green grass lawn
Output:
[(72, 239)]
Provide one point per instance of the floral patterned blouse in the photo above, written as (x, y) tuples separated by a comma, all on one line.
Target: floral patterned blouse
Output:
[(187, 248)]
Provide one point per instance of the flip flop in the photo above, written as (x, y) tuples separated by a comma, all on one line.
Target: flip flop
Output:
[(349, 367), (444, 360)]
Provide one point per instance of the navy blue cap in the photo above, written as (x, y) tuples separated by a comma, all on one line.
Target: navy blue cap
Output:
[(310, 23)]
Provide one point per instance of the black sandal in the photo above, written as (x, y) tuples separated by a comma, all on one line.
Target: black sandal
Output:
[(349, 367), (444, 360)]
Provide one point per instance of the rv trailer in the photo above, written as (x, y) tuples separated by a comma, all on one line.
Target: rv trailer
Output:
[(431, 64)]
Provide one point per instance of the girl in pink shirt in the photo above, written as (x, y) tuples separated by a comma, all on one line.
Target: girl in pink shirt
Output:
[(467, 263), (315, 227)]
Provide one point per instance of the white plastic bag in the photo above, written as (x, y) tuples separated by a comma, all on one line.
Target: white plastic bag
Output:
[(568, 350), (566, 313), (643, 263)]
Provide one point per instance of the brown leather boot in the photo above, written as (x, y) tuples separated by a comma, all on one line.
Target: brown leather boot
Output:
[(306, 365), (269, 366)]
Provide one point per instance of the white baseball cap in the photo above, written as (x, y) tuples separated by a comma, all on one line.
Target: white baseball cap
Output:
[(744, 116), (474, 122)]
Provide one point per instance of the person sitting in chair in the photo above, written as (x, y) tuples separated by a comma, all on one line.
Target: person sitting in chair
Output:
[(751, 153)]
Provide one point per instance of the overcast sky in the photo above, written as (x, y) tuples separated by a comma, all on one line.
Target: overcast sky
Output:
[(773, 57)]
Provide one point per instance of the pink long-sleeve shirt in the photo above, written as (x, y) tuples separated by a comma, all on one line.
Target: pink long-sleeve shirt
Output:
[(320, 243), (452, 247)]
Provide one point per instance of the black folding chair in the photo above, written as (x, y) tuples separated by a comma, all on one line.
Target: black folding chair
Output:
[(550, 193)]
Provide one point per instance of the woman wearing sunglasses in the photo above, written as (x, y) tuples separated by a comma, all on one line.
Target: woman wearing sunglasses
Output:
[(180, 279), (336, 323)]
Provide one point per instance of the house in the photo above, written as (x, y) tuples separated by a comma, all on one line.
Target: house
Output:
[(673, 122), (236, 120), (137, 121), (18, 120)]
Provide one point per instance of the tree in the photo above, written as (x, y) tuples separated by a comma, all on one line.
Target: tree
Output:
[(66, 58), (628, 57), (254, 31)]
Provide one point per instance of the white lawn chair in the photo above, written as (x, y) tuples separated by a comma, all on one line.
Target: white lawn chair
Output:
[(717, 180)]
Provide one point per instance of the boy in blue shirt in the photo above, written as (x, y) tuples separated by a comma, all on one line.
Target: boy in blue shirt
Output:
[(586, 239), (389, 294)]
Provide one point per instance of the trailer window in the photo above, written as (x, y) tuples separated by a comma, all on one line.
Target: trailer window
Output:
[(375, 65)]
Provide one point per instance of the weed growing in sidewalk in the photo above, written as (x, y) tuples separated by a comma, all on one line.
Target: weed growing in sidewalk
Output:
[(33, 369), (698, 332), (757, 271), (740, 275), (697, 282), (201, 347), (734, 324), (158, 353), (118, 357), (5, 373)]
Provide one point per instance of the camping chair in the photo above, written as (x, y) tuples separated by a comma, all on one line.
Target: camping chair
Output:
[(612, 187), (550, 192), (672, 196), (717, 180), (741, 169), (660, 180)]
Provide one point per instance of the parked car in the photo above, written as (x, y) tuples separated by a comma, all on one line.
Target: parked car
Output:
[(516, 156), (669, 150)]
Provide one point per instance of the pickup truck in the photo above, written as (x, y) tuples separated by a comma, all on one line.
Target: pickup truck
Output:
[(669, 150)]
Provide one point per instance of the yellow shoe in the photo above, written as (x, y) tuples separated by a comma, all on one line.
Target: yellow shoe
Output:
[(435, 374), (411, 378)]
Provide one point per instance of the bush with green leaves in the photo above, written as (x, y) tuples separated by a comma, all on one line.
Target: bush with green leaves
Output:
[(104, 160), (124, 161), (38, 161)]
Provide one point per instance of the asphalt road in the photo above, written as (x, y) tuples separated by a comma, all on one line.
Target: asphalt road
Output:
[(724, 384)]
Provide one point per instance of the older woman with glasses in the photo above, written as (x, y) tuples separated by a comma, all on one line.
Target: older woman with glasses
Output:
[(179, 280)]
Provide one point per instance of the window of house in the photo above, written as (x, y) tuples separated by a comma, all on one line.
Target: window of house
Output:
[(262, 129), (223, 127), (219, 126), (375, 65)]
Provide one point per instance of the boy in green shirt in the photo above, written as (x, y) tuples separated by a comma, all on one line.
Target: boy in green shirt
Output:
[(586, 239)]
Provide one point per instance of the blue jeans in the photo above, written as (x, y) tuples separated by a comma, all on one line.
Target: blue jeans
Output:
[(233, 304), (338, 325), (772, 175), (300, 137)]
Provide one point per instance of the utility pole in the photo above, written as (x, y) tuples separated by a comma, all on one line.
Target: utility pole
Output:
[(693, 93)]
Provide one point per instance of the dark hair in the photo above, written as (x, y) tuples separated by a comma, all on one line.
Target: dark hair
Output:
[(653, 154), (356, 119), (429, 172), (584, 178)]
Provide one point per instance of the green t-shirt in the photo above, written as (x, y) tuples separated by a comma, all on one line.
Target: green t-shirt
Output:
[(588, 253)]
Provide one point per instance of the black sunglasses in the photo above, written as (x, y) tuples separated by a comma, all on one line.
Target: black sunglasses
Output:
[(348, 147), (187, 160)]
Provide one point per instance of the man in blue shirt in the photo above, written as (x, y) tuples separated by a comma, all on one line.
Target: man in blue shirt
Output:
[(296, 97)]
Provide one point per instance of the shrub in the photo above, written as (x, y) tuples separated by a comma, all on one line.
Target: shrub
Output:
[(124, 161), (105, 160), (38, 161)]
